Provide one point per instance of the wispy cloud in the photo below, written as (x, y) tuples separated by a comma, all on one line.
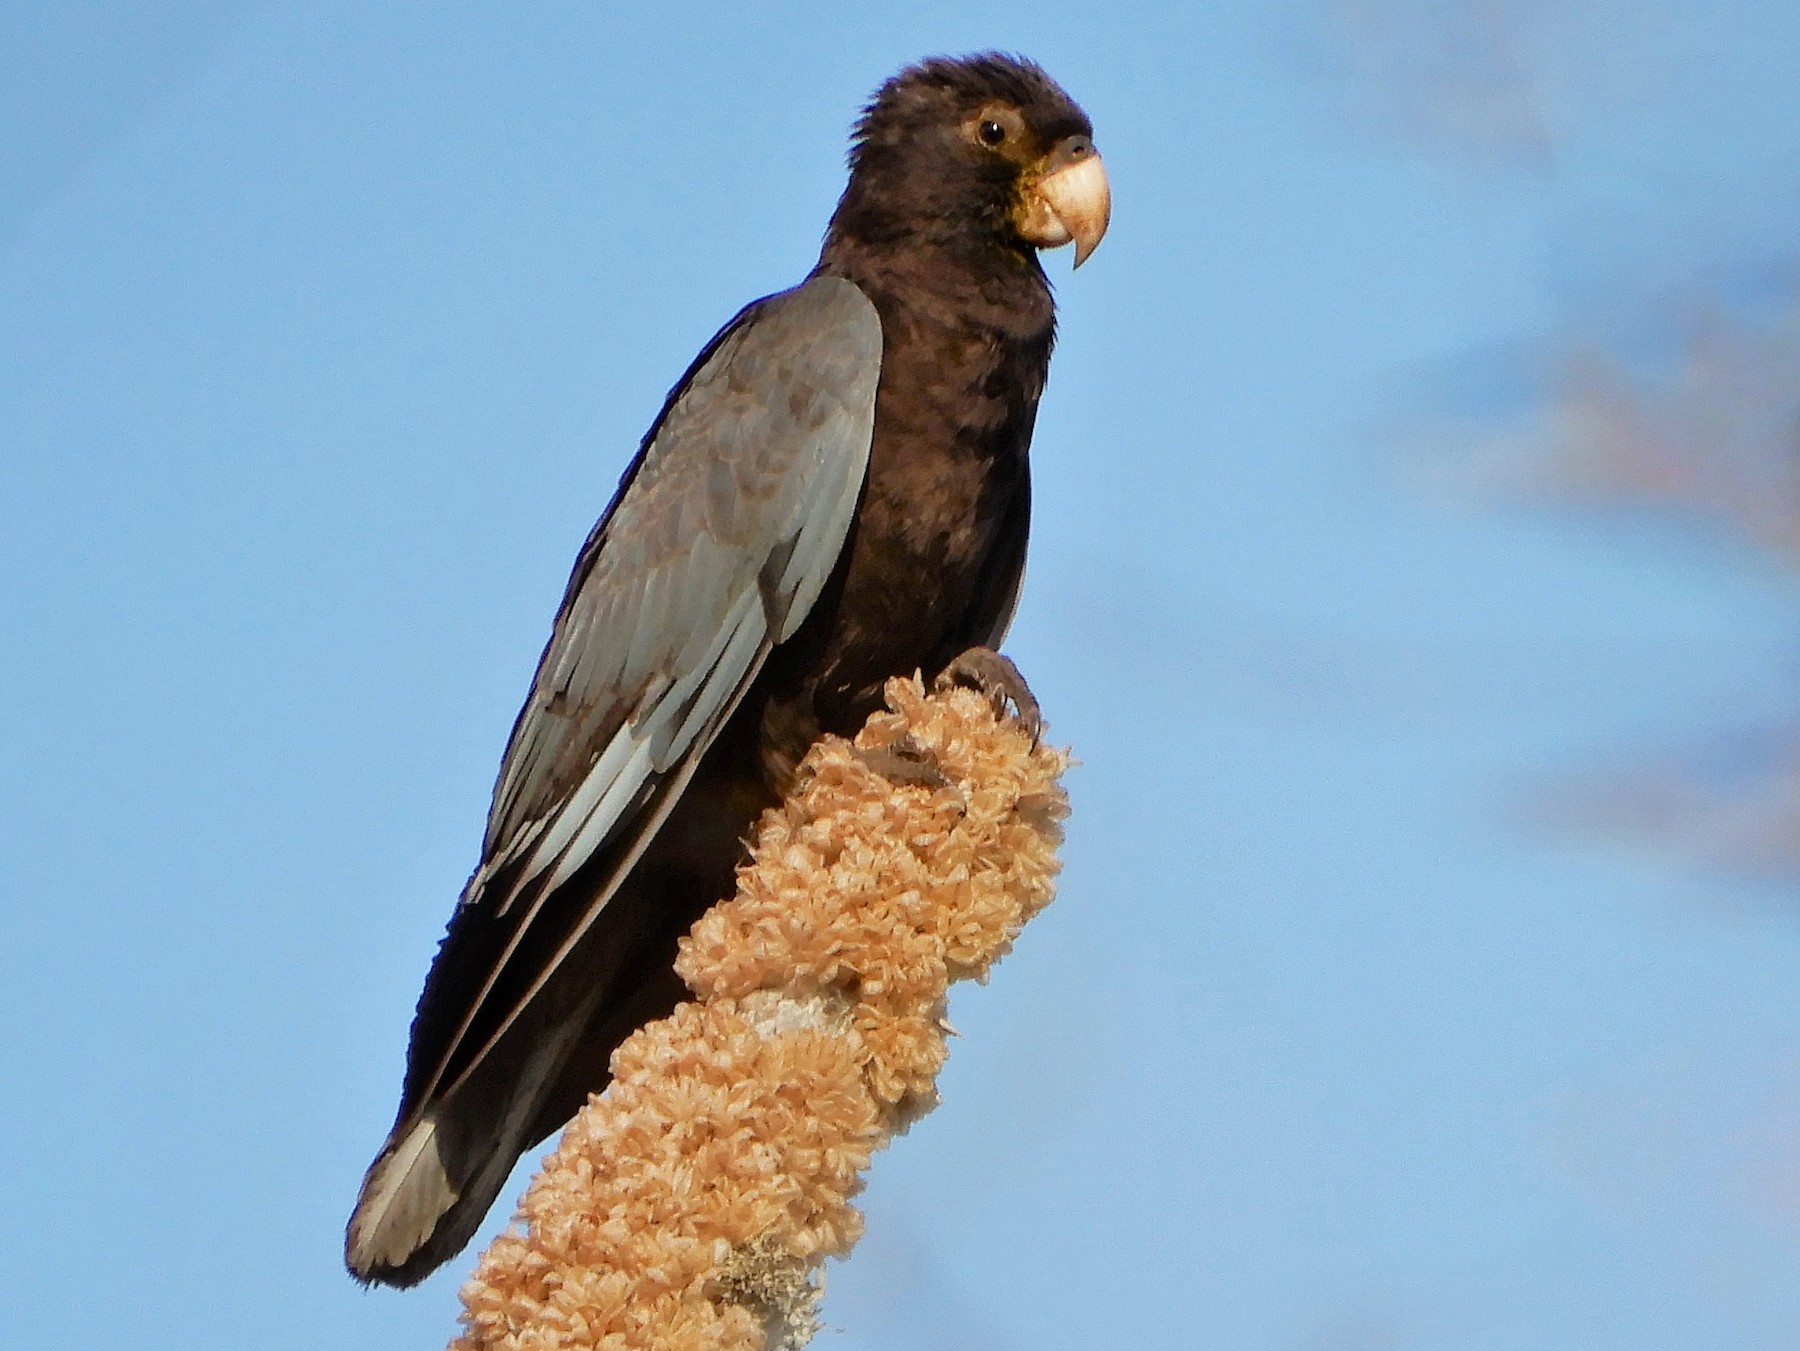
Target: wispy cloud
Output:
[(1715, 432), (1690, 411)]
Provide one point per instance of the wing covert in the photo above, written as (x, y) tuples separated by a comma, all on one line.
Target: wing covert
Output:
[(715, 548)]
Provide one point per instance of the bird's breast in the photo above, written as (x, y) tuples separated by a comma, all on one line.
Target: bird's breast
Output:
[(938, 541)]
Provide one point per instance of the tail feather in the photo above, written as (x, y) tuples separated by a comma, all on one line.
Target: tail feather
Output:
[(459, 1136), (405, 1194), (439, 1172)]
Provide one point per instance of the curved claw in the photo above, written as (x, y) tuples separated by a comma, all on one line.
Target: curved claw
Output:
[(988, 672)]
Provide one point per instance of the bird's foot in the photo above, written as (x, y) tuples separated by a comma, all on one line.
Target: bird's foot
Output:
[(905, 762), (987, 672)]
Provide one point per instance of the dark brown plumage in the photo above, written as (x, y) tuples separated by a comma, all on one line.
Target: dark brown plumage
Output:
[(835, 493)]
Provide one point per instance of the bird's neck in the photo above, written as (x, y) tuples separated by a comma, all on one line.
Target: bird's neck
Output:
[(946, 279)]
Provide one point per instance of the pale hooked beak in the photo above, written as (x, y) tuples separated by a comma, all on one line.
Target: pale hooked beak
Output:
[(1068, 199)]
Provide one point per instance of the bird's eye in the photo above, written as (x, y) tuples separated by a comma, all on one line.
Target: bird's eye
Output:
[(991, 132)]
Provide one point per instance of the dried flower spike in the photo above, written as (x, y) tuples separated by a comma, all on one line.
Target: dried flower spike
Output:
[(690, 1206)]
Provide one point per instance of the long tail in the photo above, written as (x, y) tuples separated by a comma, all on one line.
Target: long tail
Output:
[(460, 1133), (438, 1173)]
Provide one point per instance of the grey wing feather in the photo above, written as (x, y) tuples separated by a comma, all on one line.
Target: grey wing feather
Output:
[(713, 552), (727, 527)]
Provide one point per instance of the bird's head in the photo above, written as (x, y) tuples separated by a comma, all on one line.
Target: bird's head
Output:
[(982, 149)]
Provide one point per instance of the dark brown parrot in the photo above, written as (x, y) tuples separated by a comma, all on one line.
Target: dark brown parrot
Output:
[(835, 492)]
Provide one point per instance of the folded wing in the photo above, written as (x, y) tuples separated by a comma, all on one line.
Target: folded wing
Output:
[(725, 529)]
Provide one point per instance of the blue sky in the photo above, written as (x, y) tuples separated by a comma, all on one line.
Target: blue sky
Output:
[(325, 331)]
